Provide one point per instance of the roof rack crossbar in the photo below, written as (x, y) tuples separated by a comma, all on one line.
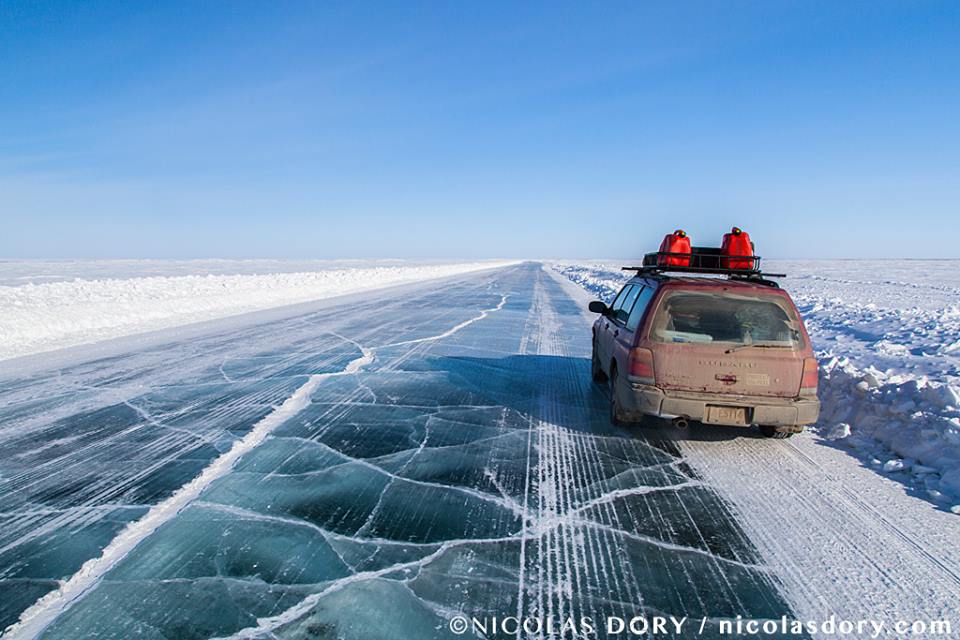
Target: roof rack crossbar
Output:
[(701, 260)]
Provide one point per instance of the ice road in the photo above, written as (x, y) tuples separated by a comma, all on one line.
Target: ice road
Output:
[(375, 466)]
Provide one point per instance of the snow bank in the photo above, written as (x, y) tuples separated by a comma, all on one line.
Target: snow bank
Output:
[(887, 336), (898, 424), (602, 280), (52, 315)]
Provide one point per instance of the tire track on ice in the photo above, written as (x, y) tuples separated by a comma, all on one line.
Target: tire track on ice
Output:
[(856, 500), (836, 552), (570, 560)]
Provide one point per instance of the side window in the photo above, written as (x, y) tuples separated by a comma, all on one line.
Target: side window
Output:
[(622, 312), (643, 301), (620, 296)]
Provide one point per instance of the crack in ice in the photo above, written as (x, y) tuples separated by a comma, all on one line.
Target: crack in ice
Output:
[(39, 615), (449, 332), (671, 546)]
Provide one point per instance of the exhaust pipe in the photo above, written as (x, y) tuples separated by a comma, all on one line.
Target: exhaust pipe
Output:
[(680, 422)]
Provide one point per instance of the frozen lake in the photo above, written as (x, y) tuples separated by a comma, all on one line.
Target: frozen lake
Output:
[(372, 467), (468, 467)]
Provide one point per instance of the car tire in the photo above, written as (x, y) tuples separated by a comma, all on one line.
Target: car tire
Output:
[(616, 415), (771, 432), (596, 371)]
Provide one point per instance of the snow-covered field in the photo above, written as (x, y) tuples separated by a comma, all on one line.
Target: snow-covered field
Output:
[(887, 335), (47, 305), (18, 272)]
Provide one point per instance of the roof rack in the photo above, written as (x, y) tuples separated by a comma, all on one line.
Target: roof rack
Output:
[(703, 260)]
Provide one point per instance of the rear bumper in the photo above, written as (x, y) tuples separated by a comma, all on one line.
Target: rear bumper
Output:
[(641, 400)]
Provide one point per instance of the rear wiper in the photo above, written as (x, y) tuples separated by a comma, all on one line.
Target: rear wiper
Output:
[(759, 345)]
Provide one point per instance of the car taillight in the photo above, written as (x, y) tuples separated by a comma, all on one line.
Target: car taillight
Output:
[(641, 365), (811, 372)]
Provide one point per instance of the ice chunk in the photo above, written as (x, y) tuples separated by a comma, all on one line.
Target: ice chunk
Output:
[(891, 466), (838, 431)]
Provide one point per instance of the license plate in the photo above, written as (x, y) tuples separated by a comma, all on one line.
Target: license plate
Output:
[(726, 415)]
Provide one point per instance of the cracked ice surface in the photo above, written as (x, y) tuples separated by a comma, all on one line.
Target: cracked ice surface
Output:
[(462, 464)]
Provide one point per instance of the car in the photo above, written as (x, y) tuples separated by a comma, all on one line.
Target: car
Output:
[(692, 346)]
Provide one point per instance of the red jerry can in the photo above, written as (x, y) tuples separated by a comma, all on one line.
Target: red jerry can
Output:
[(736, 243), (676, 242)]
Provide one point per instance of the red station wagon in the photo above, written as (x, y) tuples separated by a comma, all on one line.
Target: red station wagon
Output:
[(720, 350)]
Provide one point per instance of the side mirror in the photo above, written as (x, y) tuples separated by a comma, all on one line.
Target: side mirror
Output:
[(598, 307)]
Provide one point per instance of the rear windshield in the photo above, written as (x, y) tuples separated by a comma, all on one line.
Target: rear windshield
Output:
[(728, 318)]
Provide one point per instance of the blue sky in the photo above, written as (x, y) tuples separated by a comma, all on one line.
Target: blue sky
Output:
[(457, 129)]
